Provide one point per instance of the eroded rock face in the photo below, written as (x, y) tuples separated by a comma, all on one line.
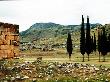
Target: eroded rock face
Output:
[(9, 40)]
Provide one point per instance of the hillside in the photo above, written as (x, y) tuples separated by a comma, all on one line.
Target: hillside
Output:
[(47, 30), (55, 32)]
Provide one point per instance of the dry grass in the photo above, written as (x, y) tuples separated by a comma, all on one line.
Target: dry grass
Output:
[(60, 55)]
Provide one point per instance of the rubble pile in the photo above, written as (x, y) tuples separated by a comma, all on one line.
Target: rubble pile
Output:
[(35, 71)]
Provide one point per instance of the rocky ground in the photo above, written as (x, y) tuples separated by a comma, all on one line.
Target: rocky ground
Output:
[(15, 70)]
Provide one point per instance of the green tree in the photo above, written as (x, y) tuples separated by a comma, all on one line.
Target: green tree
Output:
[(92, 46), (82, 39), (109, 43), (69, 45), (88, 38), (104, 47), (99, 42), (94, 43)]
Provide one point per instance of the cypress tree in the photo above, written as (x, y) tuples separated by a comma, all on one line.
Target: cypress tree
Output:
[(88, 38), (99, 42), (92, 46), (104, 49), (82, 39), (109, 43), (94, 43), (69, 45)]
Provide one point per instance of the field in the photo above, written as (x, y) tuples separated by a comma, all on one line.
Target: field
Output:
[(54, 66), (61, 55)]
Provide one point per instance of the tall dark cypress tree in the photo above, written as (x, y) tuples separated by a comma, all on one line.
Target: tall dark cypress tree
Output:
[(104, 49), (94, 43), (69, 45), (109, 43), (108, 46), (92, 46), (82, 39), (99, 42), (88, 38)]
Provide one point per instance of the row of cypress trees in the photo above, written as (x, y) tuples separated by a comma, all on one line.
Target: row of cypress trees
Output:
[(88, 43), (103, 43)]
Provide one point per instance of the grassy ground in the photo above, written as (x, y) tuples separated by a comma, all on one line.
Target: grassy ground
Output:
[(60, 55)]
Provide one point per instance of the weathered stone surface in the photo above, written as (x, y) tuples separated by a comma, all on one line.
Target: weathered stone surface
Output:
[(9, 40)]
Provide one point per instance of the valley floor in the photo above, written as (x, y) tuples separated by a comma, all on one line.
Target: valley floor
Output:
[(61, 56), (54, 66)]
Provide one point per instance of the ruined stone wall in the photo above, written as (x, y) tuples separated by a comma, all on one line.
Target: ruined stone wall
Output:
[(9, 40)]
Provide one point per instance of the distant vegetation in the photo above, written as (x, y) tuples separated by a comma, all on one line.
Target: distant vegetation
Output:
[(56, 32)]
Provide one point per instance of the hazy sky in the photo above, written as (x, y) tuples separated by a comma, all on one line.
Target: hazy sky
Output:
[(27, 12)]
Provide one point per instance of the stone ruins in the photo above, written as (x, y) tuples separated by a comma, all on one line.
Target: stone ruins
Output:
[(9, 40)]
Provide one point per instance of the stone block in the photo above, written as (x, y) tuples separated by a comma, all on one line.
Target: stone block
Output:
[(4, 47)]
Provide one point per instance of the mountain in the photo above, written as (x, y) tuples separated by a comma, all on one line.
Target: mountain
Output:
[(50, 30)]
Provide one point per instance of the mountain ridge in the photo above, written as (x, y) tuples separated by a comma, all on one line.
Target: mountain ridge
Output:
[(49, 30)]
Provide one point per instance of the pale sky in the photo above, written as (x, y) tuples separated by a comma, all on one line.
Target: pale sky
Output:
[(65, 12)]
